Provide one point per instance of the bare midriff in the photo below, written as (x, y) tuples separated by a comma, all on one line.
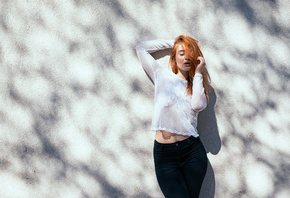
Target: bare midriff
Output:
[(166, 137)]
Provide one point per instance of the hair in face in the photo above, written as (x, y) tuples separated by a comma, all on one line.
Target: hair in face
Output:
[(192, 51)]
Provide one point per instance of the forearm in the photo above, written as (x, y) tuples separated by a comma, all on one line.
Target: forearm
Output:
[(198, 101), (154, 45)]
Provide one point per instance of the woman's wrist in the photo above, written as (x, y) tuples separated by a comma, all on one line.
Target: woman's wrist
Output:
[(198, 74)]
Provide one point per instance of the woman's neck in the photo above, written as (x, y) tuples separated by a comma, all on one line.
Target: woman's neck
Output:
[(183, 74)]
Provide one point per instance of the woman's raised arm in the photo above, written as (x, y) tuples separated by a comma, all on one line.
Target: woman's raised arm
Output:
[(145, 49)]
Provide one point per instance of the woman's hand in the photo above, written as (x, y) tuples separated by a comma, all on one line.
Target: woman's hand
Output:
[(201, 64)]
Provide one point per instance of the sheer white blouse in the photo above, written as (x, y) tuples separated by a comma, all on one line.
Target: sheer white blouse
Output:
[(174, 111)]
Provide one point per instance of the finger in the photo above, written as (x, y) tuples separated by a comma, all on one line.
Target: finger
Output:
[(200, 60)]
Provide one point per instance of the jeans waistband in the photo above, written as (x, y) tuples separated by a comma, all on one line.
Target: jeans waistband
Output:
[(179, 144)]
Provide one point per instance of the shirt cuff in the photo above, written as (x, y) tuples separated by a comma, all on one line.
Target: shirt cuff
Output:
[(171, 43), (198, 74)]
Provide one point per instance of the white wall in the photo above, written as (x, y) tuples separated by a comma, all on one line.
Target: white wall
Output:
[(76, 105)]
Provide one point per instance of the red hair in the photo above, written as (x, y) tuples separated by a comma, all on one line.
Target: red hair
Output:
[(192, 51)]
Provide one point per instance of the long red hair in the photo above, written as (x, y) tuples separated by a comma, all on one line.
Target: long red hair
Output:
[(192, 51)]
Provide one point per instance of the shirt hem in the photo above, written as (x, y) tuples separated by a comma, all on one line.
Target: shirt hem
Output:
[(174, 131)]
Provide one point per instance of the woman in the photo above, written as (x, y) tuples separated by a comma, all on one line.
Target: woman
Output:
[(179, 156)]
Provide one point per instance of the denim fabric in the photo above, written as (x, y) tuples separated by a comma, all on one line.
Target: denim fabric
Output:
[(180, 167)]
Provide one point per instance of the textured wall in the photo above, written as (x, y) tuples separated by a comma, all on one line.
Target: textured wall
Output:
[(76, 105)]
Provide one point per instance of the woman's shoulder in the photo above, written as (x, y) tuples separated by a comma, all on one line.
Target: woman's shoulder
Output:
[(164, 72)]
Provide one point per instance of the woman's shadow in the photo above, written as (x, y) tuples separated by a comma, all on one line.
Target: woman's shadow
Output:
[(209, 135)]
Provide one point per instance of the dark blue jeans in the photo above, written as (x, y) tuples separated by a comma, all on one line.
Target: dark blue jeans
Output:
[(180, 167)]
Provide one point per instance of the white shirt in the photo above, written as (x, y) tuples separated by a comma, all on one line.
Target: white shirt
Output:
[(175, 110)]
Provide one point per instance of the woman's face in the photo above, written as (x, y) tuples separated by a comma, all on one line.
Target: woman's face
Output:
[(182, 60)]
